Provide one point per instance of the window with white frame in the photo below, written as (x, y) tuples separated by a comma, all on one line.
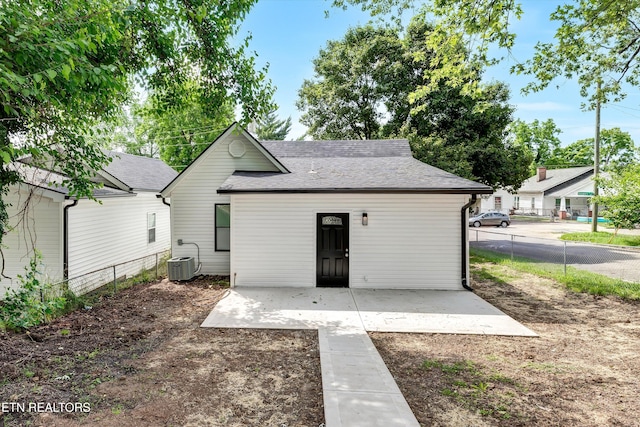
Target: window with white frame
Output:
[(223, 227), (151, 227), (516, 202), (533, 203)]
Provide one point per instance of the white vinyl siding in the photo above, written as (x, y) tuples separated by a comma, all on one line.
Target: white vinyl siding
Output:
[(40, 228), (411, 241), (194, 198), (115, 231)]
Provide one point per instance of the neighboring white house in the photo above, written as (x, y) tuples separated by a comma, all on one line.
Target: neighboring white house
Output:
[(362, 214), (564, 192), (79, 236)]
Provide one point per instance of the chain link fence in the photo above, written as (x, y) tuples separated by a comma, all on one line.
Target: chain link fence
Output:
[(117, 276), (620, 262)]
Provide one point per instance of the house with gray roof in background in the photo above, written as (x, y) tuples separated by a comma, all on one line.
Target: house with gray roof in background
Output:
[(362, 214), (78, 238), (564, 192)]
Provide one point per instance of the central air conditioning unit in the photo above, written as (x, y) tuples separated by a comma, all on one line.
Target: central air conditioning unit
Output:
[(181, 268)]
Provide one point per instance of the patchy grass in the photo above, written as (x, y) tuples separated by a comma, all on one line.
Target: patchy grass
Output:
[(603, 237), (474, 387), (575, 279)]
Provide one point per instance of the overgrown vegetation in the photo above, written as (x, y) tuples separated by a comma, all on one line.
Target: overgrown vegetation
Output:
[(603, 237), (574, 279), (34, 302)]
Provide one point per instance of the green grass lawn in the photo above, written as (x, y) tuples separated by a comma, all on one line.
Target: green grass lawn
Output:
[(603, 237), (575, 279)]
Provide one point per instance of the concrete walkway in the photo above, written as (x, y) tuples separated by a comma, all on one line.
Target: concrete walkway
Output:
[(358, 388)]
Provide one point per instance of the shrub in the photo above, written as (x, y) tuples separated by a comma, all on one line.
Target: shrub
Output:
[(32, 303)]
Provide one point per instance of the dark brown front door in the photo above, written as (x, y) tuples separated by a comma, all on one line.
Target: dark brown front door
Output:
[(333, 251)]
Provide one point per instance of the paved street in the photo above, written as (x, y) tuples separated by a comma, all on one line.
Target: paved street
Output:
[(539, 241)]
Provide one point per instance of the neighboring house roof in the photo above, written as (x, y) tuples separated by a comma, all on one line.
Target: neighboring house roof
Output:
[(125, 174), (584, 183), (555, 179), (139, 173)]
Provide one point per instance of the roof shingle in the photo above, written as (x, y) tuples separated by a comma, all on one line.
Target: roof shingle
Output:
[(309, 174), (139, 172)]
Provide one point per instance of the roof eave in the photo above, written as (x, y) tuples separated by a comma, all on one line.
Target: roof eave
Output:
[(362, 190)]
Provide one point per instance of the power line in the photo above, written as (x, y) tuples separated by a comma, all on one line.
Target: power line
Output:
[(626, 112)]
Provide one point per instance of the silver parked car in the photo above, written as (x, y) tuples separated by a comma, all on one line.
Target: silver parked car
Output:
[(490, 218)]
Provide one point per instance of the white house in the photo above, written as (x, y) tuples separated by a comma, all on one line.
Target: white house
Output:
[(362, 214), (79, 236), (565, 192)]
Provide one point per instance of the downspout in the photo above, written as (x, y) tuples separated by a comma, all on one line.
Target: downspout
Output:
[(164, 200), (463, 240), (65, 240)]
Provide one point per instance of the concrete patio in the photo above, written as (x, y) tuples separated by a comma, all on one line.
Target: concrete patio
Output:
[(418, 311), (358, 388)]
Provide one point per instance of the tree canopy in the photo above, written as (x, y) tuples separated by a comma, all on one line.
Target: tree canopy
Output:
[(270, 128), (620, 195), (180, 134), (597, 42), (65, 66), (346, 97), (617, 151), (363, 88), (540, 138)]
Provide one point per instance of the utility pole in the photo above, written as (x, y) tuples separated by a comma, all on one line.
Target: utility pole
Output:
[(596, 162)]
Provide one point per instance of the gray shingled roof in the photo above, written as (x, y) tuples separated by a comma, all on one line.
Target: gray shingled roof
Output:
[(353, 165), (344, 148), (555, 177), (138, 172), (51, 181)]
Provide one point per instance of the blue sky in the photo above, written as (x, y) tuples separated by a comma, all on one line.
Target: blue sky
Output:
[(288, 34)]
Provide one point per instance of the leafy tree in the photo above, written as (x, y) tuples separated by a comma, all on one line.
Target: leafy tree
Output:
[(363, 89), (597, 42), (180, 135), (617, 151), (270, 128), (345, 100), (620, 195), (539, 137), (66, 66)]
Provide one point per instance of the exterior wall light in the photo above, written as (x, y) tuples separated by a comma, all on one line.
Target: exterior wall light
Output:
[(365, 219)]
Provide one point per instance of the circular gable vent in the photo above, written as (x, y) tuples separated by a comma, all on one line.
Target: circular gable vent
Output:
[(237, 148)]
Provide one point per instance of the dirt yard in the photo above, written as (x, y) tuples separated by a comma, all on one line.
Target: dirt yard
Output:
[(140, 359), (583, 370)]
